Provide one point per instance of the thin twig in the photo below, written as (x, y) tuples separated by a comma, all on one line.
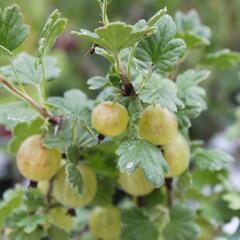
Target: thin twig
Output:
[(39, 108), (49, 192)]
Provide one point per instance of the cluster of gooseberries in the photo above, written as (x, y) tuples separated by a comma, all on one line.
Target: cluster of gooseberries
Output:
[(38, 163), (156, 125)]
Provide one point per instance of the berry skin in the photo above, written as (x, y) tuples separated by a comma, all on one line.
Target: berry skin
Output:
[(59, 217), (157, 125), (105, 223), (36, 162), (177, 155), (68, 196), (110, 118), (135, 183)]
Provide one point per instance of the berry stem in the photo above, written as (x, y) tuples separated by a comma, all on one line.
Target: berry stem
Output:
[(32, 184), (49, 192), (100, 138), (71, 212), (168, 184), (140, 201)]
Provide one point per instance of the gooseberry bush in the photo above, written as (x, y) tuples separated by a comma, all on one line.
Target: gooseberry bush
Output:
[(121, 166)]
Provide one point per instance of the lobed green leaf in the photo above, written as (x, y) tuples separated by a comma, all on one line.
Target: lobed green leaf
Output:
[(54, 26), (105, 191), (62, 138), (233, 200), (97, 82), (192, 95), (162, 92), (137, 226), (136, 152), (190, 28), (11, 114), (213, 160), (101, 158), (25, 71), (19, 234), (33, 199), (12, 199), (73, 154), (72, 104), (74, 177), (115, 36), (12, 30), (162, 48), (181, 226), (222, 59)]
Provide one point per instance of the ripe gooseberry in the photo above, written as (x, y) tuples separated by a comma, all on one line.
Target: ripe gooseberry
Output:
[(110, 118), (157, 125), (135, 183), (68, 196), (105, 223), (177, 155), (59, 217), (36, 162)]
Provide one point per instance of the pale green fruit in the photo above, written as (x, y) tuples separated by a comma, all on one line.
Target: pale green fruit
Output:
[(110, 118), (105, 223), (157, 125), (36, 162), (60, 218), (43, 187), (68, 196), (177, 155), (135, 183)]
